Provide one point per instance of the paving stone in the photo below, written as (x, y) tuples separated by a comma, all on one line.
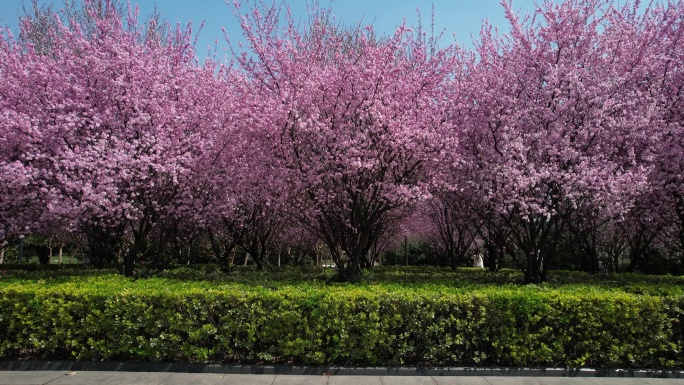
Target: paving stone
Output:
[(247, 379), (31, 377), (626, 381), (354, 380), (495, 380), (38, 377), (301, 380), (407, 380), (119, 378), (193, 378), (460, 380)]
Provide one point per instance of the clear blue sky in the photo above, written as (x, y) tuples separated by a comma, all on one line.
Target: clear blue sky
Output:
[(455, 17)]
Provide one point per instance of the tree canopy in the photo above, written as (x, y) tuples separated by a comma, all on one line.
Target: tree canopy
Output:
[(564, 131)]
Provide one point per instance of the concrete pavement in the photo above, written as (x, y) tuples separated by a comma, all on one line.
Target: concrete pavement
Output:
[(43, 377)]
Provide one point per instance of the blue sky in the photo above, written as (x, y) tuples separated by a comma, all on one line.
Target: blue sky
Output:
[(455, 17)]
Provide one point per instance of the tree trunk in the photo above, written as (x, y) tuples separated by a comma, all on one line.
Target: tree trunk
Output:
[(2, 255), (533, 272), (43, 253), (492, 257), (61, 247), (139, 246), (222, 254), (350, 272), (452, 258), (129, 261)]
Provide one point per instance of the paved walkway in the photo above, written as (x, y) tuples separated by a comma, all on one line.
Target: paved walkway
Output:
[(161, 378)]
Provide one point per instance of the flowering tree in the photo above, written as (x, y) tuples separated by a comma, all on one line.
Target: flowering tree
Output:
[(651, 44), (113, 127), (241, 193), (355, 122), (555, 121), (22, 198), (570, 126), (666, 81)]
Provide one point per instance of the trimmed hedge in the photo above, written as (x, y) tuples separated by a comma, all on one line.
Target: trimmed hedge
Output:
[(112, 318)]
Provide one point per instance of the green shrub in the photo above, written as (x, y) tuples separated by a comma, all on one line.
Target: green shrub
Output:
[(108, 317)]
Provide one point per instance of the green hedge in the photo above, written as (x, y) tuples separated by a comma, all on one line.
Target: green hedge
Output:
[(111, 318)]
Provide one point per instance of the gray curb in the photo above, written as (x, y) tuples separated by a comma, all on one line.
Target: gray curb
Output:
[(124, 366)]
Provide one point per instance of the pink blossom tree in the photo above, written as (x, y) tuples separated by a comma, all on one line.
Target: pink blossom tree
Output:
[(665, 80), (243, 193), (23, 196), (355, 122), (113, 125), (554, 121)]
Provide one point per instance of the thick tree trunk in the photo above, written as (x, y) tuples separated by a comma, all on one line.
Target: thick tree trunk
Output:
[(139, 246), (356, 256), (531, 273), (351, 271)]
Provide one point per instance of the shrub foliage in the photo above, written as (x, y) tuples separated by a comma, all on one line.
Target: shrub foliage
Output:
[(107, 317)]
